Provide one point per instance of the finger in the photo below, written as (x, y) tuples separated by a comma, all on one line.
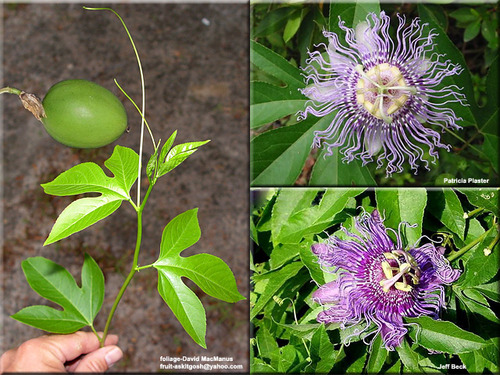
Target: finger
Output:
[(6, 360), (110, 339), (99, 361), (71, 366), (69, 347)]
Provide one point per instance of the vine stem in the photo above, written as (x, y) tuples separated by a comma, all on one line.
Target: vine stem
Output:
[(133, 270), (101, 341), (473, 212), (10, 90), (139, 207), (495, 240), (143, 92), (140, 113), (469, 246), (144, 267)]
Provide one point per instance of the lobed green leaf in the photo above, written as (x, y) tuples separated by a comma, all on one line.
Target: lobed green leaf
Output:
[(207, 271), (54, 283), (90, 178), (123, 164), (180, 233), (210, 273)]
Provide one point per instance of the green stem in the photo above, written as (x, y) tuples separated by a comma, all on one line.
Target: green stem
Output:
[(473, 212), (101, 341), (148, 192), (138, 110), (10, 90), (144, 267), (462, 251), (134, 268), (495, 240)]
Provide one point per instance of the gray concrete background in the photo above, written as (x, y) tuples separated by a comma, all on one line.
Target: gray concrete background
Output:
[(195, 59)]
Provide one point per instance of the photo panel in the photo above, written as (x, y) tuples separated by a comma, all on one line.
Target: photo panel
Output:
[(184, 308), (362, 137), (374, 280), (374, 94)]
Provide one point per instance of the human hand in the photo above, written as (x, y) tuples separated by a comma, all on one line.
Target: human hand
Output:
[(77, 352)]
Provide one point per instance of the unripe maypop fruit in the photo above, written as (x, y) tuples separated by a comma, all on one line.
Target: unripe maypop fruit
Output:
[(82, 114)]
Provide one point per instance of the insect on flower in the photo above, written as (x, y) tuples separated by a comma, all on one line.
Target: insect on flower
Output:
[(387, 93), (379, 282)]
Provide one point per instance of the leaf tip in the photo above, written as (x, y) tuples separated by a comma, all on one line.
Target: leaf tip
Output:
[(48, 241), (240, 297), (202, 343)]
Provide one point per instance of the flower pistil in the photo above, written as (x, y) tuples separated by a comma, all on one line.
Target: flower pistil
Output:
[(382, 90), (406, 269)]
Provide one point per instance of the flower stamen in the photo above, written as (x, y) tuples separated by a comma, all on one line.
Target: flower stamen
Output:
[(382, 90), (403, 270), (406, 268)]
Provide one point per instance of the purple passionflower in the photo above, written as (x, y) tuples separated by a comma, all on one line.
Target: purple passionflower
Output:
[(386, 93), (380, 282)]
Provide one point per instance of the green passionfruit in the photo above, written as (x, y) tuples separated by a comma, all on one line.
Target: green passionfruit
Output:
[(82, 114)]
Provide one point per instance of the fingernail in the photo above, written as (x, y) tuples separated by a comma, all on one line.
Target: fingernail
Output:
[(113, 356)]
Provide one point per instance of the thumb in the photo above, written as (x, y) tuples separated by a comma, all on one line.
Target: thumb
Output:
[(99, 360)]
